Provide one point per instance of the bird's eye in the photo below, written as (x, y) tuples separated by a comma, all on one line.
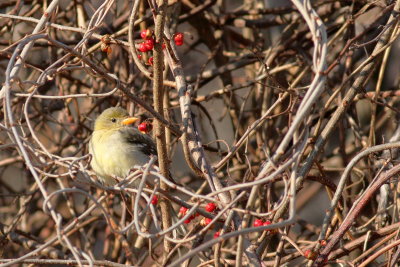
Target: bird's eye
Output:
[(113, 119)]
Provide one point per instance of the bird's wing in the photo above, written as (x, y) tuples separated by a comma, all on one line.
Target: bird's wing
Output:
[(143, 141), (134, 137)]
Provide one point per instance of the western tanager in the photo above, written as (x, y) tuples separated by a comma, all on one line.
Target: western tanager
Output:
[(117, 146)]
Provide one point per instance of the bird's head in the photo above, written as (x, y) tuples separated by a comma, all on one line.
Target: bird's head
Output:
[(113, 118)]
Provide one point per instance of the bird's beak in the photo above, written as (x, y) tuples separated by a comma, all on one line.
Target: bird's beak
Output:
[(129, 121)]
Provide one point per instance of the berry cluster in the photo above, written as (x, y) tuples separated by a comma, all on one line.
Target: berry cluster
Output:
[(210, 207), (259, 222), (183, 211), (146, 46), (148, 42)]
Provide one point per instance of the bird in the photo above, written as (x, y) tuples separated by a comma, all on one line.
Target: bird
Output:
[(117, 146)]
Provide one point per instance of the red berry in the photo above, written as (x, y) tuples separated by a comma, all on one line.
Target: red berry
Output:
[(258, 222), (217, 234), (183, 211), (205, 221), (154, 200), (139, 56), (178, 38), (142, 47), (151, 61), (145, 127), (149, 44), (267, 222), (146, 34), (142, 127), (163, 46), (310, 254), (323, 242), (210, 207), (188, 220)]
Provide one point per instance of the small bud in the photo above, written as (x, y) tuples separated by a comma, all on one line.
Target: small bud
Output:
[(106, 39), (105, 48), (310, 254)]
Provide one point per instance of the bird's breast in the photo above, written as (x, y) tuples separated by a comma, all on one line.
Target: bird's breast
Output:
[(112, 156)]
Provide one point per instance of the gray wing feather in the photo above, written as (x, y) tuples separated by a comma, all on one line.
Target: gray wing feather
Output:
[(133, 136)]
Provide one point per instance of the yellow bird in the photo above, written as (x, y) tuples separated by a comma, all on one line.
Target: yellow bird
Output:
[(116, 146)]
